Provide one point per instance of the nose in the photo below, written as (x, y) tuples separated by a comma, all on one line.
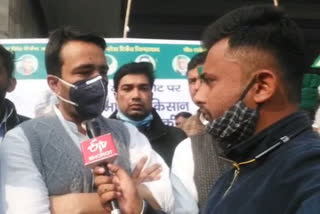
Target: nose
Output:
[(197, 84), (135, 93), (201, 94)]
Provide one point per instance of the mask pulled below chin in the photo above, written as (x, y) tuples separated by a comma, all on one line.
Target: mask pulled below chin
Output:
[(235, 125)]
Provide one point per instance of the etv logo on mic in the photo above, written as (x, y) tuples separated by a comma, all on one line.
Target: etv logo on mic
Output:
[(99, 149)]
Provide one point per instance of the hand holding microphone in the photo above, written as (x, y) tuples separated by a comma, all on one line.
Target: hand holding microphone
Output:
[(120, 186), (97, 152), (100, 150)]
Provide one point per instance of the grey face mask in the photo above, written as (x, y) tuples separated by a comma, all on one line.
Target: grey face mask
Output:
[(88, 96), (237, 124)]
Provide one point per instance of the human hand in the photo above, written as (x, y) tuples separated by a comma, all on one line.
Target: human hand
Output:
[(119, 187), (151, 173)]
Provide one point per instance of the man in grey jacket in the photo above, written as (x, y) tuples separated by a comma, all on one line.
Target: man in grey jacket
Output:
[(41, 164)]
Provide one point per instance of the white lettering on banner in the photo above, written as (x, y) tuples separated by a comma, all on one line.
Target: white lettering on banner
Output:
[(170, 121), (158, 88), (157, 105), (177, 106), (174, 88)]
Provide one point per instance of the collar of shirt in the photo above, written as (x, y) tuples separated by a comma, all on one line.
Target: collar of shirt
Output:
[(71, 129), (3, 123)]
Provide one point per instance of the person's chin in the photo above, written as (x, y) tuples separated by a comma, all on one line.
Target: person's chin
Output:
[(137, 114)]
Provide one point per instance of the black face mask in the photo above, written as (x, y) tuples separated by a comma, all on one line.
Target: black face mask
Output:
[(238, 123), (88, 96)]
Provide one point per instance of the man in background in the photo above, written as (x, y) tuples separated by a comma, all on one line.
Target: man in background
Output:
[(181, 117), (133, 84), (8, 115), (196, 164), (195, 124)]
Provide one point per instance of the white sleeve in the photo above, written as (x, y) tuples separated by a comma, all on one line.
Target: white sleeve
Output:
[(184, 203), (22, 187), (160, 189), (183, 166), (316, 122)]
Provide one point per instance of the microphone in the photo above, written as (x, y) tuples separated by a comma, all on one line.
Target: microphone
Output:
[(97, 151)]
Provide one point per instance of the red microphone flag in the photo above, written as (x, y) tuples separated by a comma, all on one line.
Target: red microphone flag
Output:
[(98, 150)]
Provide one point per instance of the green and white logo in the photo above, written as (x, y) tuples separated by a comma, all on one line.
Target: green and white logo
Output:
[(27, 64), (146, 58), (180, 64)]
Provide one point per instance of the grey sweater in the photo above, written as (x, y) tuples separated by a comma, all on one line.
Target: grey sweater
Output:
[(208, 166), (59, 160)]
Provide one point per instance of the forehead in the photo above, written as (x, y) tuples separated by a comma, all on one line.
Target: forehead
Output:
[(81, 50), (221, 62), (193, 73), (134, 79)]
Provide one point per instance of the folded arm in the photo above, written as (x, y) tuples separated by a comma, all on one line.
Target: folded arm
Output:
[(159, 191)]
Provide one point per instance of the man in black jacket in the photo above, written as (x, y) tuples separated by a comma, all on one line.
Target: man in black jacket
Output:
[(133, 84), (8, 115), (251, 89)]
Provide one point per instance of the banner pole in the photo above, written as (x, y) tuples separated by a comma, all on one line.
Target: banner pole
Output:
[(126, 21)]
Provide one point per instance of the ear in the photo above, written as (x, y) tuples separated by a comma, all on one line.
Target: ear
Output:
[(53, 83), (12, 84), (265, 87)]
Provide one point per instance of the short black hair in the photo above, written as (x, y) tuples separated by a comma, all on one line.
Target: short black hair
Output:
[(58, 38), (183, 114), (7, 60), (266, 28), (196, 60), (145, 68)]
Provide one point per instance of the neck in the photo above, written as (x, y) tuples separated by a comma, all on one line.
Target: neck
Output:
[(269, 116), (71, 118)]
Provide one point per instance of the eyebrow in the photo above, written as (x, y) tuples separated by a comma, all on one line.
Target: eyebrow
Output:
[(203, 76), (131, 84), (90, 66)]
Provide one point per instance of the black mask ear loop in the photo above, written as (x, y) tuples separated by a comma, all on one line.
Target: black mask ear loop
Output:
[(244, 93)]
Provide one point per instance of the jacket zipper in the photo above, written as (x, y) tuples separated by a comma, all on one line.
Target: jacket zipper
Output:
[(235, 176)]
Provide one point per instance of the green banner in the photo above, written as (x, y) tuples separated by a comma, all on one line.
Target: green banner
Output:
[(169, 59)]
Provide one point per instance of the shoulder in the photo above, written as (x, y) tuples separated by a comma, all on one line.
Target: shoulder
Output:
[(193, 126), (43, 120), (183, 145), (23, 118), (120, 127), (14, 141), (301, 156), (297, 165), (112, 121), (176, 131)]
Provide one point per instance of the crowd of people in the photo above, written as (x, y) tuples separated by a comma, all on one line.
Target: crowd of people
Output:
[(248, 149)]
